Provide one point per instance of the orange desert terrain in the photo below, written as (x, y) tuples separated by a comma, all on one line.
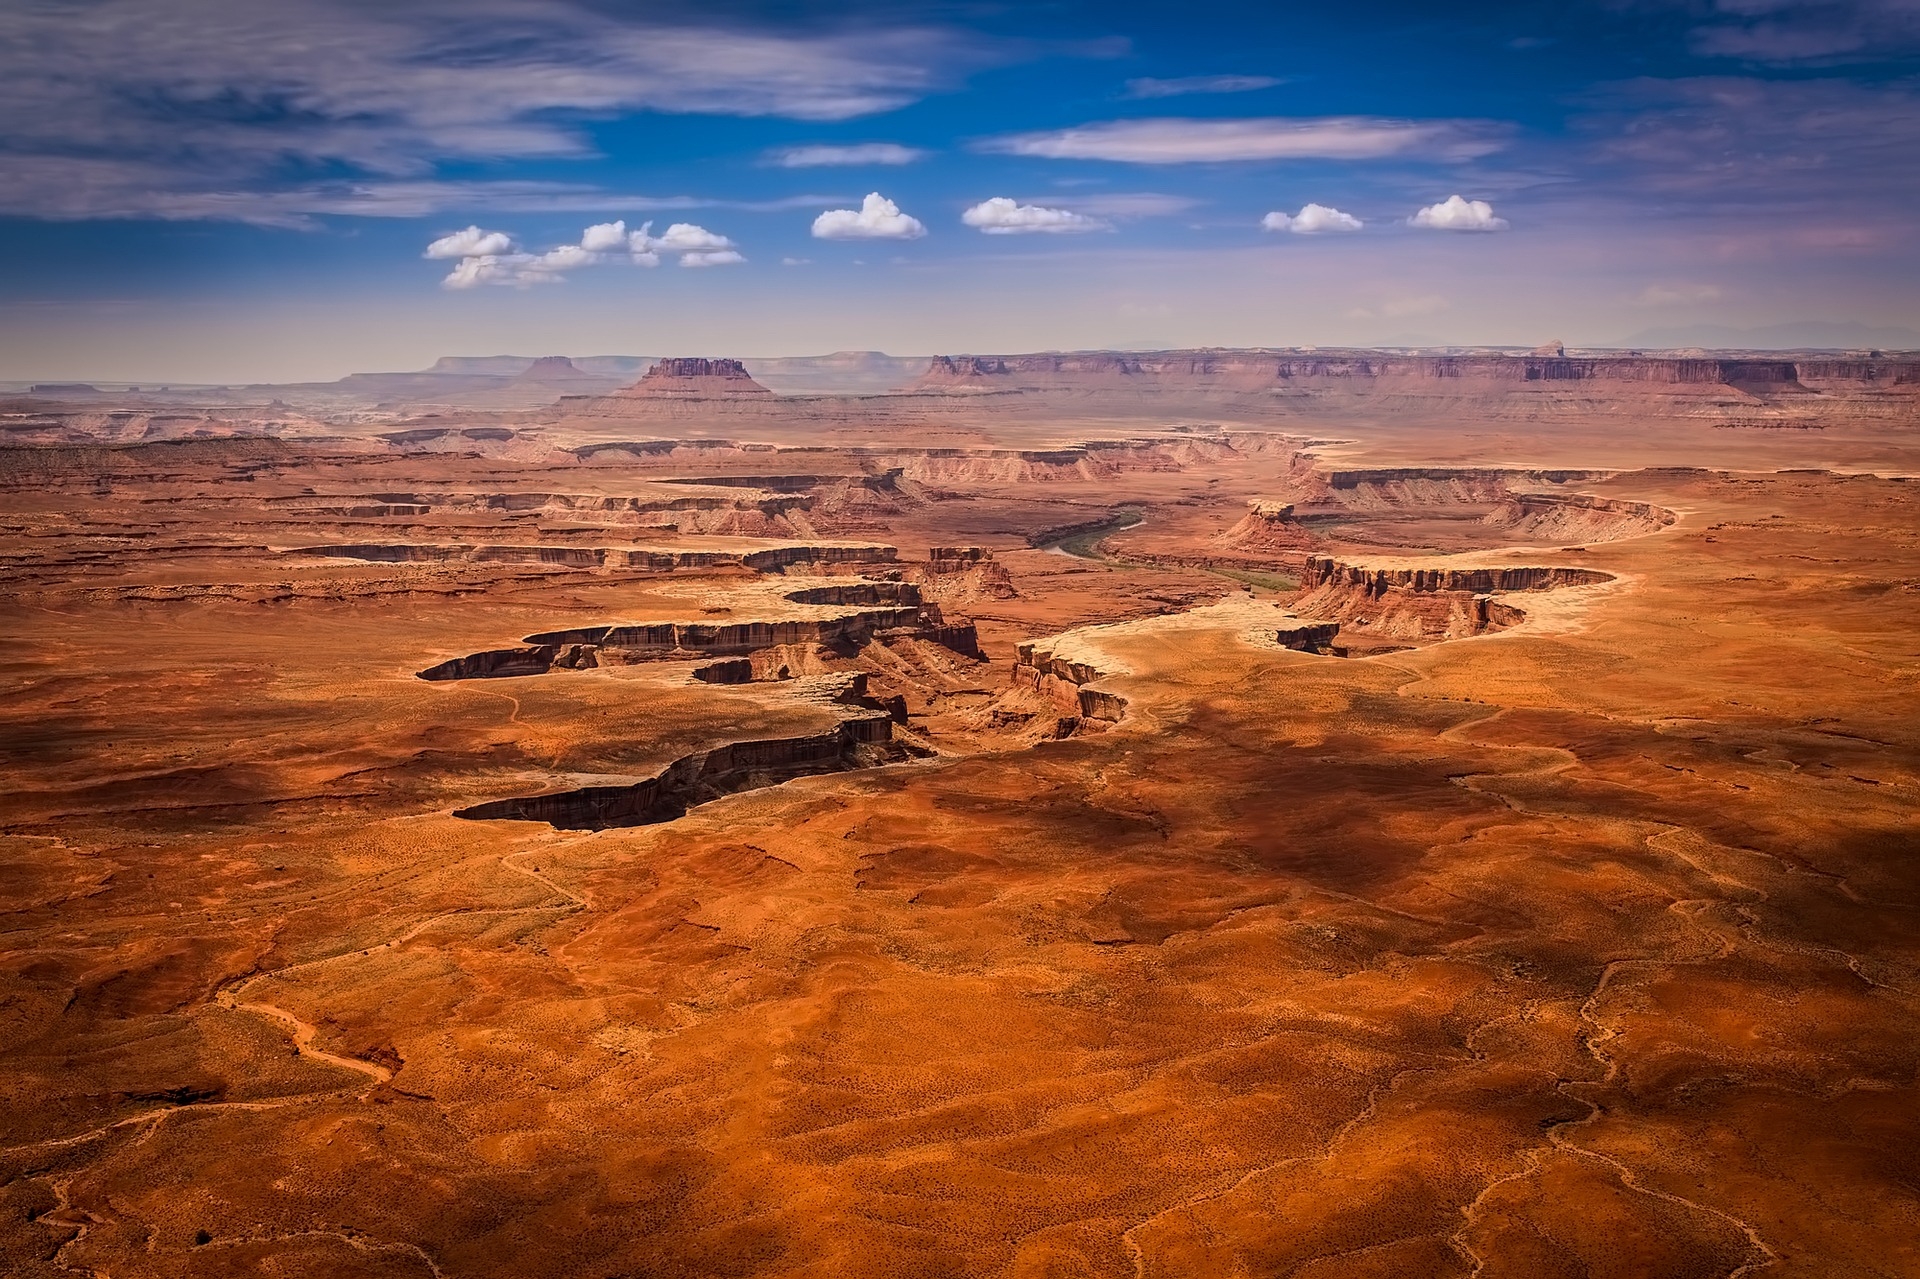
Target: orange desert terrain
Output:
[(1224, 813)]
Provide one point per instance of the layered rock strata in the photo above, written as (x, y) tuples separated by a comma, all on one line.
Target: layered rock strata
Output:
[(882, 612), (696, 379), (964, 575), (1576, 518), (1417, 602), (1066, 682), (772, 559), (1270, 529), (861, 741), (1254, 368)]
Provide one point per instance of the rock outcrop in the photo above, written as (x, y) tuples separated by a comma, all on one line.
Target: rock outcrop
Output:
[(1066, 682), (960, 575), (1421, 602), (1269, 528), (696, 379)]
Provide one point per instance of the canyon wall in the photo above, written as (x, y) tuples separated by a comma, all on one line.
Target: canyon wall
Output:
[(1256, 369), (864, 741)]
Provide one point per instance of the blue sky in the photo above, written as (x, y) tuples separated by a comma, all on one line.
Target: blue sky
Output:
[(201, 190)]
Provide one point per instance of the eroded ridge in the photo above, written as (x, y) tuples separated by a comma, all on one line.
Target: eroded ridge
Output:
[(856, 742), (1424, 601), (900, 615)]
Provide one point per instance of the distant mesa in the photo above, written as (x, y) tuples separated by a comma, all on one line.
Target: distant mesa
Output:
[(482, 365), (1556, 349), (63, 388), (964, 368), (556, 370), (696, 379)]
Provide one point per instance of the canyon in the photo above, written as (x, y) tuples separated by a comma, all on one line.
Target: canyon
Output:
[(1109, 815)]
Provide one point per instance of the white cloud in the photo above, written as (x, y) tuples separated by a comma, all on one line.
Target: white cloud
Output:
[(604, 237), (1456, 214), (470, 243), (795, 261), (685, 237), (1148, 87), (486, 257), (1001, 216), (860, 153), (696, 246), (518, 269), (1313, 219), (566, 258), (1182, 141), (878, 218)]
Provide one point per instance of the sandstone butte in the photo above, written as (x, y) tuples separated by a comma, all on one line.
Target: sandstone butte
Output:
[(1120, 815)]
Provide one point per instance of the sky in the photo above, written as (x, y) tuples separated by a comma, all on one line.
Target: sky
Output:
[(196, 190)]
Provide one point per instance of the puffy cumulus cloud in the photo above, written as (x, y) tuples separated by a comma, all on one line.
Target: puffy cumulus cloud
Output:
[(604, 237), (1457, 214), (877, 218), (1180, 86), (860, 153), (1001, 216), (517, 269), (566, 258), (1183, 141), (470, 243), (681, 237), (1313, 219), (696, 246), (187, 108), (488, 257)]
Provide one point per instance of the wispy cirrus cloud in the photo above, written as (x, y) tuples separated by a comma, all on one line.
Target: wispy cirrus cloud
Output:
[(1180, 86), (1200, 141), (1803, 148), (1791, 32), (860, 153), (178, 108), (103, 188)]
